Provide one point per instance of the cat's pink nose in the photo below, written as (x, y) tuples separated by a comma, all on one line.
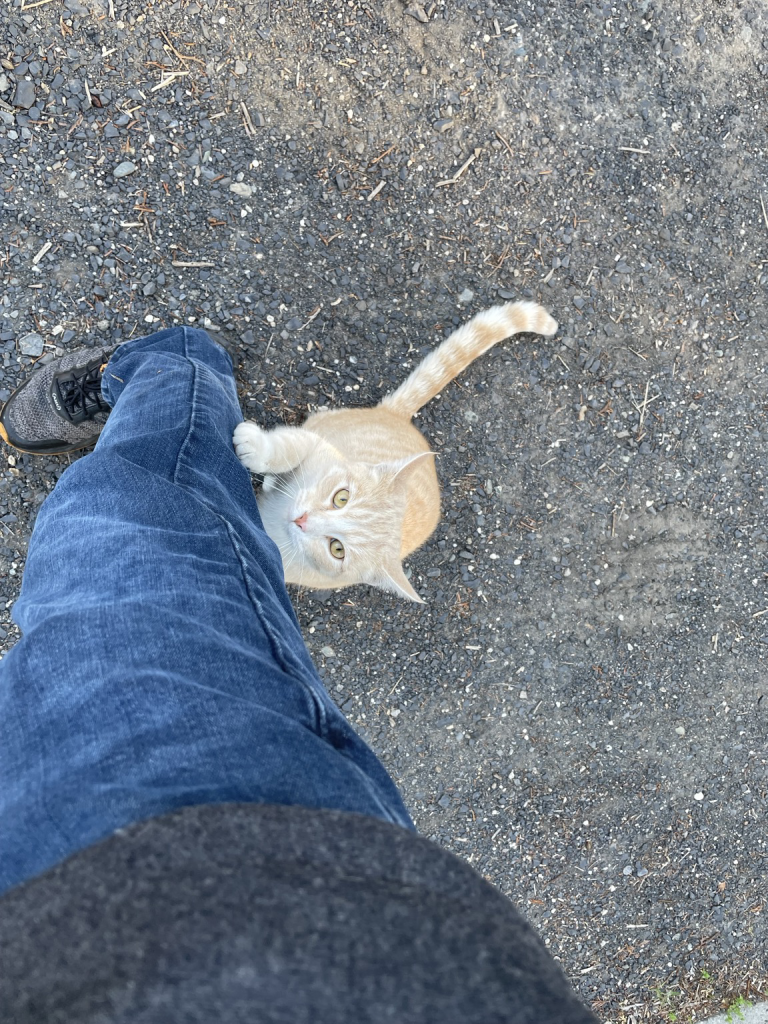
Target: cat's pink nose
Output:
[(301, 522)]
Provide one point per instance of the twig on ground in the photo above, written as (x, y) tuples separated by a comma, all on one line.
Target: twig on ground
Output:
[(170, 78), (458, 174), (249, 128), (181, 56), (501, 138), (312, 316), (381, 156), (39, 255)]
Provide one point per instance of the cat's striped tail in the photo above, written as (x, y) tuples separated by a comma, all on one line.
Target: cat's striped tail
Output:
[(462, 347)]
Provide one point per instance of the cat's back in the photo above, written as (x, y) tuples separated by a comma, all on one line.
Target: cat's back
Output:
[(369, 435)]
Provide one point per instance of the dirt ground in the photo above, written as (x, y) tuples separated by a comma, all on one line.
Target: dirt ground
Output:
[(580, 708)]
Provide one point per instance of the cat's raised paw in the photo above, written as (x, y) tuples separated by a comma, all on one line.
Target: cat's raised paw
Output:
[(279, 450), (250, 448)]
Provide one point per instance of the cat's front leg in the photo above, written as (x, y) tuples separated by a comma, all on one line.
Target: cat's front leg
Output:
[(275, 451)]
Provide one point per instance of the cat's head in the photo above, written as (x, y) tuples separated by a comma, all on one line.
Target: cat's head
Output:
[(338, 522)]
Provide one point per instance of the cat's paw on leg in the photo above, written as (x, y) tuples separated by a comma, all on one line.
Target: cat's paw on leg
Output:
[(250, 447), (272, 451)]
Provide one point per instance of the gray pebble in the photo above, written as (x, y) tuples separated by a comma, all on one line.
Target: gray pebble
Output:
[(31, 344), (443, 124), (25, 95), (241, 189), (417, 11), (466, 296), (123, 169)]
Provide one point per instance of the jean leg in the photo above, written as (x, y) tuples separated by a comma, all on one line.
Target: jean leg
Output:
[(161, 663)]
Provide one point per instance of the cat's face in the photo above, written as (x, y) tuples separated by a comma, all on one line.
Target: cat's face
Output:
[(338, 523)]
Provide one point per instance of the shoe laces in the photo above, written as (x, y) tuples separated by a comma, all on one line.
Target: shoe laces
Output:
[(81, 393)]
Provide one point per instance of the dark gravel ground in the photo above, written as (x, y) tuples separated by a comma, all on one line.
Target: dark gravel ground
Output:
[(579, 710)]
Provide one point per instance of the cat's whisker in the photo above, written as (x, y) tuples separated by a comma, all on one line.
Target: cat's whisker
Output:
[(302, 563), (281, 488), (289, 563), (299, 485), (299, 466)]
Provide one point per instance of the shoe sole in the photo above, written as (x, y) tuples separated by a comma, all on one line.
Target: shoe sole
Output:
[(12, 443), (50, 451)]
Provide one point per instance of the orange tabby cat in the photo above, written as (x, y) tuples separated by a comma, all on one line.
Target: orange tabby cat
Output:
[(352, 492)]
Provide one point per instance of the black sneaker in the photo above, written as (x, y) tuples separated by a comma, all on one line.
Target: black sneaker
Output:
[(59, 407)]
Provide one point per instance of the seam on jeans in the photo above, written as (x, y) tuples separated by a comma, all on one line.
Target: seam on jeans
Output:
[(192, 410), (321, 720), (47, 756), (320, 712)]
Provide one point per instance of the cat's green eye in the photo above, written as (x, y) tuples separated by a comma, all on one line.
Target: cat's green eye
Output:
[(337, 548), (340, 498)]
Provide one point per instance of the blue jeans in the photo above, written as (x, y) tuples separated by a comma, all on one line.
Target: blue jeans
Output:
[(161, 663)]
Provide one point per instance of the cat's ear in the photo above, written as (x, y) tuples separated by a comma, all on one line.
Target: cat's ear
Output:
[(391, 577), (400, 469)]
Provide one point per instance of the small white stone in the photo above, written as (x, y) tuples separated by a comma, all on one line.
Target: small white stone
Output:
[(680, 730), (698, 796), (241, 67), (466, 296), (241, 189)]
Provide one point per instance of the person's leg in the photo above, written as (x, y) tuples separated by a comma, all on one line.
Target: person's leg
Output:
[(161, 663)]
